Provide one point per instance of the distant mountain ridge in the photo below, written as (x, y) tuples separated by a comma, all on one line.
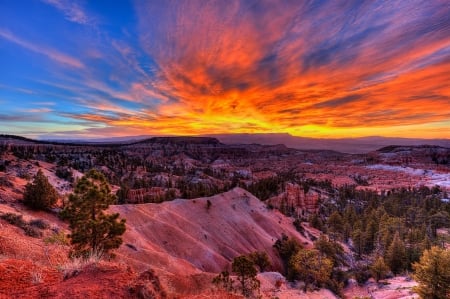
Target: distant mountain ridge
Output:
[(345, 145)]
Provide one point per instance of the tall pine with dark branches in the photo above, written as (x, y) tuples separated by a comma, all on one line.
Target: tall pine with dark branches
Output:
[(92, 229)]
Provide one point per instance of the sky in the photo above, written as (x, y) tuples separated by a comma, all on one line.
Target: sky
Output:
[(326, 69)]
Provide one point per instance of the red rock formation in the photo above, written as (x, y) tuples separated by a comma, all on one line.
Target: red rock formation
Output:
[(139, 195), (300, 201)]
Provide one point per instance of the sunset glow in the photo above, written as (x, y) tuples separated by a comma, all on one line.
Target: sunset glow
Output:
[(314, 69)]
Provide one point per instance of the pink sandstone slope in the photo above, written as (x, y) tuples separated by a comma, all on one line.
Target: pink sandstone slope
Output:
[(186, 237)]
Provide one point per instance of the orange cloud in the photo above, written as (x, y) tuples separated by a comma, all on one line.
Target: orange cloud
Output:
[(282, 68)]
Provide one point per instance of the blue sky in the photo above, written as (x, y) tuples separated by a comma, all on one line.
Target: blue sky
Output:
[(320, 68)]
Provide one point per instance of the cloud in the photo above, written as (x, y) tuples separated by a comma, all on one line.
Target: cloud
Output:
[(19, 118), (38, 110), (72, 11), (284, 65), (315, 68), (335, 103), (50, 53)]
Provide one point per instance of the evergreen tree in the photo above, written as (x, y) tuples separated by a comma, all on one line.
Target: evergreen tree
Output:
[(286, 248), (359, 241), (335, 225), (310, 267), (331, 249), (396, 255), (246, 272), (260, 259), (92, 229), (371, 233), (433, 274), (379, 269), (40, 194)]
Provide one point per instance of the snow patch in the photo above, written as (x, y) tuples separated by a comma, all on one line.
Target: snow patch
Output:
[(430, 177)]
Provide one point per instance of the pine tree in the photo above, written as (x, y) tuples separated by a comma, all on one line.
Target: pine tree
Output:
[(433, 274), (330, 249), (40, 194), (359, 241), (286, 248), (335, 225), (92, 229), (246, 272), (260, 259), (379, 269), (310, 267), (396, 255)]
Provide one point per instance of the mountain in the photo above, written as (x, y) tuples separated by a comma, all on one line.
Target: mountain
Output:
[(344, 145)]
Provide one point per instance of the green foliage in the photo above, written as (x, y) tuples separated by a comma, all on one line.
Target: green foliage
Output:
[(433, 274), (260, 259), (64, 173), (359, 241), (331, 249), (92, 229), (40, 194), (265, 188), (372, 220), (335, 225), (246, 272), (316, 222), (286, 248), (379, 269), (122, 194), (310, 267), (396, 255), (361, 272)]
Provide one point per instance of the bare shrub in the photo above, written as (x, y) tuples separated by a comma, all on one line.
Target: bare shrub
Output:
[(37, 277), (39, 223)]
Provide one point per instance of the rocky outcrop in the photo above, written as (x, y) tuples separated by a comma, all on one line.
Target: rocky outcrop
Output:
[(297, 201), (142, 195)]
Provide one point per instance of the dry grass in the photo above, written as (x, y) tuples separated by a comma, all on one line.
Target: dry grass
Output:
[(37, 277), (76, 265)]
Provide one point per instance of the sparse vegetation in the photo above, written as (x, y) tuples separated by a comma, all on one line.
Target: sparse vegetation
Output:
[(58, 238), (39, 223), (246, 272), (246, 282), (37, 277), (77, 263), (147, 286), (17, 220), (224, 281)]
